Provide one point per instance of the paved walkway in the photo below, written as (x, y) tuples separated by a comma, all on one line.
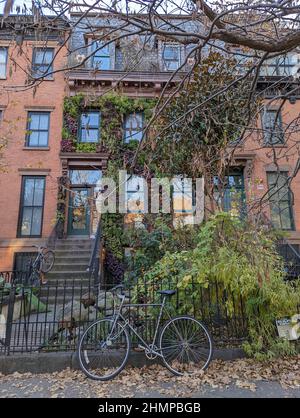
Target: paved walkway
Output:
[(238, 378), (46, 387)]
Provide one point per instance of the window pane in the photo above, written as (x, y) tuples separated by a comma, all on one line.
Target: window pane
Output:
[(28, 192), (42, 59), (134, 127), (85, 176), (33, 140), (171, 53), (38, 192), (3, 55), (103, 51), (3, 59), (34, 121), (89, 135), (102, 63), (43, 56), (286, 222), (272, 126), (43, 139), (275, 216), (44, 121), (90, 119), (26, 221), (36, 221)]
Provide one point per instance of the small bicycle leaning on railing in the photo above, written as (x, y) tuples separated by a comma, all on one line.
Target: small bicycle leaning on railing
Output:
[(183, 344), (42, 264)]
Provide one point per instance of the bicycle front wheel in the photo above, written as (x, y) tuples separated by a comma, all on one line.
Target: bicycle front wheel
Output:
[(186, 345), (103, 350), (47, 261)]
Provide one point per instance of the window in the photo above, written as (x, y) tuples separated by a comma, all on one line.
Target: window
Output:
[(182, 195), (133, 127), (135, 194), (3, 62), (42, 65), (101, 57), (85, 176), (89, 127), (272, 127), (37, 129), (280, 202), (31, 207), (284, 65), (171, 57), (22, 260)]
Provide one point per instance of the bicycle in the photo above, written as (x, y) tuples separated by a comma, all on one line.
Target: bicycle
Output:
[(184, 344), (42, 264)]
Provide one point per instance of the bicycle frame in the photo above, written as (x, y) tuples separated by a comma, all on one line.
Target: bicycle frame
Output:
[(126, 324)]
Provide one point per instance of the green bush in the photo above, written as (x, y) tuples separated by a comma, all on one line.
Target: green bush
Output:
[(243, 261)]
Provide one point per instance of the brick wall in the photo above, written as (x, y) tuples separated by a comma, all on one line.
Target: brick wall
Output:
[(15, 104)]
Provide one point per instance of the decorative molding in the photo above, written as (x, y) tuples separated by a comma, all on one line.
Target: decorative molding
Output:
[(34, 171), (273, 167), (41, 108)]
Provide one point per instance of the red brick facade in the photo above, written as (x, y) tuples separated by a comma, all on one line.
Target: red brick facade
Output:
[(21, 160)]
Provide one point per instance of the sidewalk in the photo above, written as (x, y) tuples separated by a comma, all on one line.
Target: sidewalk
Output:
[(238, 378)]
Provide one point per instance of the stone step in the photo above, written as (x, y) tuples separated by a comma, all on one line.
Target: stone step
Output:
[(74, 252), (74, 239), (67, 274), (65, 290), (72, 247), (63, 284), (71, 260), (69, 266)]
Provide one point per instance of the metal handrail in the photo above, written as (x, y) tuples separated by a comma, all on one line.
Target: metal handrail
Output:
[(94, 267)]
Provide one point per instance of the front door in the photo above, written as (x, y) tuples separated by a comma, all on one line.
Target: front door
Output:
[(79, 212)]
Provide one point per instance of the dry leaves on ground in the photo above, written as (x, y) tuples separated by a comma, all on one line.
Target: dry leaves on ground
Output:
[(244, 373)]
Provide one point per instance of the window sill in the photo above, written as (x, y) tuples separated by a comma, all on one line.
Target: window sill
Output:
[(36, 148), (43, 79)]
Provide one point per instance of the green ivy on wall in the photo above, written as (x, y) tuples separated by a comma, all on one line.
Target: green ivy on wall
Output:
[(113, 108)]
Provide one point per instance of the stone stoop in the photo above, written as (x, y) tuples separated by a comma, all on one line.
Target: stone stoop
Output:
[(69, 276)]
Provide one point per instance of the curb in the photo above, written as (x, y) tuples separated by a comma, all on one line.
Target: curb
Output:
[(54, 362)]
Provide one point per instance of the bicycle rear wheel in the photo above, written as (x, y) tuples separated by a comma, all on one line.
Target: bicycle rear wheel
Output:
[(47, 261), (186, 345), (103, 352)]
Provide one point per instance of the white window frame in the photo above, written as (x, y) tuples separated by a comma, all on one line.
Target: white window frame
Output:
[(4, 64), (178, 47)]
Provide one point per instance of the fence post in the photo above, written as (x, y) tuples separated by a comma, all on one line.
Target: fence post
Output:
[(9, 319)]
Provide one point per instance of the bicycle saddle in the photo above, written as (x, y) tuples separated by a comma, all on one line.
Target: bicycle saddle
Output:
[(167, 292)]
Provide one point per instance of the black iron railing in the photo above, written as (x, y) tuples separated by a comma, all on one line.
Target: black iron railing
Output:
[(52, 316), (95, 264)]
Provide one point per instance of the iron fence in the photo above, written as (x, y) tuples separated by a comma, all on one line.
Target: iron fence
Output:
[(51, 317)]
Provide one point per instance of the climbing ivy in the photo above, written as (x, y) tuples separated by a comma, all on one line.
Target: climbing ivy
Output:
[(113, 109)]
